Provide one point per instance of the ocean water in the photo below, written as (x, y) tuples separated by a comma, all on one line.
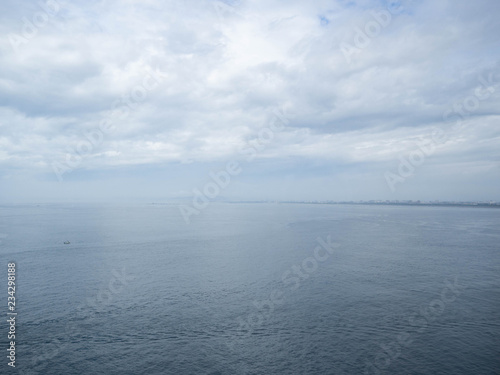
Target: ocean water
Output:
[(253, 289)]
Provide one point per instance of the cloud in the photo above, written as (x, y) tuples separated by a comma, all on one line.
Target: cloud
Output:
[(226, 66)]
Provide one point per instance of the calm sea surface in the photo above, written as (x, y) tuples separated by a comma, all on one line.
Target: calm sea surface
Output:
[(253, 289)]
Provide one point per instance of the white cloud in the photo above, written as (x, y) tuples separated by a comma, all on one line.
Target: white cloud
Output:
[(228, 66)]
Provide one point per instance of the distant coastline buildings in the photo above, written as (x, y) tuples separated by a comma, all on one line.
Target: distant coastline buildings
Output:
[(390, 203)]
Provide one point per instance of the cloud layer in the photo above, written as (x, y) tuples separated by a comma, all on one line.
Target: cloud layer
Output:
[(186, 85)]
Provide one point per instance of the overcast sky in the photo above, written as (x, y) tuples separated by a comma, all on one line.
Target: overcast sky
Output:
[(341, 100)]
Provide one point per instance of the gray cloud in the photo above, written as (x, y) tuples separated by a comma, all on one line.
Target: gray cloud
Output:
[(225, 67)]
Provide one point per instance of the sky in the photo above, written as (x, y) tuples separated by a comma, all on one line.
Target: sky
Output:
[(156, 101)]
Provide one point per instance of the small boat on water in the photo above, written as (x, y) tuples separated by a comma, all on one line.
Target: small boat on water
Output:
[(67, 242)]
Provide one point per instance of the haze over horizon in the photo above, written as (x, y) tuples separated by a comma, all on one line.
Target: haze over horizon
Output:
[(320, 100)]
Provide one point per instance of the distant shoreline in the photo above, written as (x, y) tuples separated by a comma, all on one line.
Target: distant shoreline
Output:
[(352, 203), (391, 203)]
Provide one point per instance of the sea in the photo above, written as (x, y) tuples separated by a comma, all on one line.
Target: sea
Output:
[(251, 288)]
